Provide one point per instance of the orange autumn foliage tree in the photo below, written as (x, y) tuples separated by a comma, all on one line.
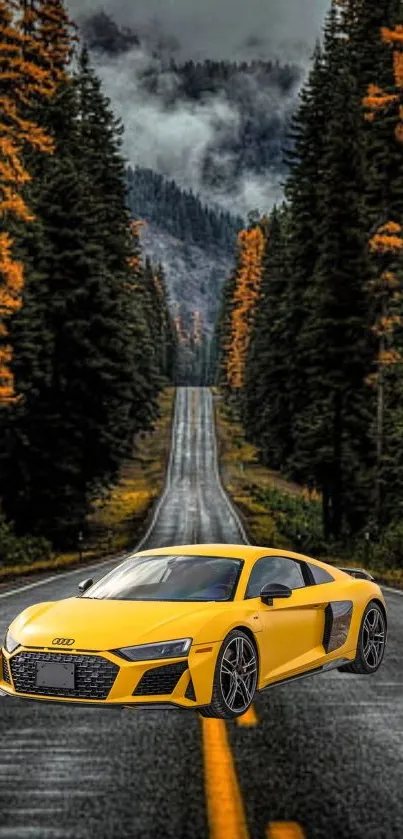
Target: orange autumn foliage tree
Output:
[(181, 336), (135, 258), (386, 245), (34, 48), (378, 99), (197, 328), (251, 245)]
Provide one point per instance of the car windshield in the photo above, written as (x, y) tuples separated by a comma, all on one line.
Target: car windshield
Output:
[(170, 577)]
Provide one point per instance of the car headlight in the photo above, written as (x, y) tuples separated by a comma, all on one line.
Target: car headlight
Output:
[(10, 644), (166, 649)]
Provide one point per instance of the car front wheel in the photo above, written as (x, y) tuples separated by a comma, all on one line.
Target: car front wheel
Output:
[(235, 677)]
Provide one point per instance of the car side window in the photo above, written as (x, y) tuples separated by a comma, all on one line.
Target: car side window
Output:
[(274, 569), (319, 574)]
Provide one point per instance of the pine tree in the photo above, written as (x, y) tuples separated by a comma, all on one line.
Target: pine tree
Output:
[(305, 172), (266, 398), (84, 362), (332, 429), (222, 332)]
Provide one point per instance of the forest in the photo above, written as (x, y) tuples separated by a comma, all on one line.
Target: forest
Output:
[(181, 213), (310, 336), (86, 337)]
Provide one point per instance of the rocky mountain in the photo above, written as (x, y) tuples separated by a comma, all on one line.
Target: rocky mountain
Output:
[(195, 244)]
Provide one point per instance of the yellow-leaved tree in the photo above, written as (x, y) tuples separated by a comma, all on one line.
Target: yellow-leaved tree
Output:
[(34, 48), (251, 245), (386, 245)]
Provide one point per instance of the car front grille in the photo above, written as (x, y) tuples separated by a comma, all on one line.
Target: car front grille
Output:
[(160, 680), (6, 672), (94, 675)]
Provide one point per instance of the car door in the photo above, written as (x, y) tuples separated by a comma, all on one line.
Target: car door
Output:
[(292, 629)]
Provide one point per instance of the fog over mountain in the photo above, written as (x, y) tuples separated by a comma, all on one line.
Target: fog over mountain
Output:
[(172, 134)]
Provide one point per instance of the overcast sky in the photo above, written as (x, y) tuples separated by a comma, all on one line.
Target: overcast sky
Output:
[(173, 141), (223, 28)]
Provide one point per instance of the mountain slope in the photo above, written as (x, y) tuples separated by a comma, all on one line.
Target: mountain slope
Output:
[(194, 243), (194, 275)]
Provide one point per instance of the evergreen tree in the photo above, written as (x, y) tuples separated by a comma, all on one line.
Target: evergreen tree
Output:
[(84, 359), (331, 260), (179, 212), (266, 399), (306, 167)]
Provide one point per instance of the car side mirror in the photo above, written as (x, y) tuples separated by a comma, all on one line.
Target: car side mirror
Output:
[(84, 585), (274, 591)]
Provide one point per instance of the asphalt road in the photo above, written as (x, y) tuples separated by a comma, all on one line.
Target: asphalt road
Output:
[(325, 752)]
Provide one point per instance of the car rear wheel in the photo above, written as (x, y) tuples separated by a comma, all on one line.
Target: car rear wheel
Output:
[(235, 677), (371, 642)]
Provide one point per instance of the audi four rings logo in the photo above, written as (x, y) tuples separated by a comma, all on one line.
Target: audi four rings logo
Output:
[(63, 642)]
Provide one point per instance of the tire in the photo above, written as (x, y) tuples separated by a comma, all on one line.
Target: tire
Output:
[(235, 677), (369, 655)]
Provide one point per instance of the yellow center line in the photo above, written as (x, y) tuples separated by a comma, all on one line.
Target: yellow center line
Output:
[(285, 830), (225, 810), (249, 719)]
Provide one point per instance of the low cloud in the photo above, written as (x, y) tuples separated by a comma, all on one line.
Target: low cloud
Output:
[(173, 135)]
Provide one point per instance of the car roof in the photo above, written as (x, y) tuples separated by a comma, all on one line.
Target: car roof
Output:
[(249, 553)]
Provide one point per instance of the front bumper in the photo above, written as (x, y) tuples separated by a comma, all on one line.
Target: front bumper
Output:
[(104, 679)]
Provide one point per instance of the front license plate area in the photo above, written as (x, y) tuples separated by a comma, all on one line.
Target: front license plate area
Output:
[(51, 674)]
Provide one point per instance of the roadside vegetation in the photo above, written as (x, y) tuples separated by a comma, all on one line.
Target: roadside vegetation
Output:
[(115, 522), (87, 341), (309, 341), (279, 512)]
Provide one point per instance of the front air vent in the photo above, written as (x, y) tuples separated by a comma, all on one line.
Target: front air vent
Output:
[(190, 692), (6, 672), (160, 681)]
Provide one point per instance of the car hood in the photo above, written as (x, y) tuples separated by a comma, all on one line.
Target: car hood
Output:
[(110, 624)]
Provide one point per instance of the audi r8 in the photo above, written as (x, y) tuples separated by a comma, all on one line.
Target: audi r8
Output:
[(201, 627)]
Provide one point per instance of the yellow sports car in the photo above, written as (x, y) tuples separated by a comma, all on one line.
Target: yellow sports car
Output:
[(201, 626)]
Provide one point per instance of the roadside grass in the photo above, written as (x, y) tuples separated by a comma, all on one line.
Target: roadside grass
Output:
[(117, 520), (278, 512), (275, 510)]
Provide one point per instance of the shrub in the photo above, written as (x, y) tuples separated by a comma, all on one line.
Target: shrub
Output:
[(388, 552), (297, 518), (20, 551)]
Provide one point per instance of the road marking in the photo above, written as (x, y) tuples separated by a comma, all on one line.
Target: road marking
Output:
[(392, 590), (225, 810), (47, 580), (228, 501), (248, 719), (285, 830)]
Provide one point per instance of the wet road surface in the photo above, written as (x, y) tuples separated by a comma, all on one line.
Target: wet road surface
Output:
[(325, 752)]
